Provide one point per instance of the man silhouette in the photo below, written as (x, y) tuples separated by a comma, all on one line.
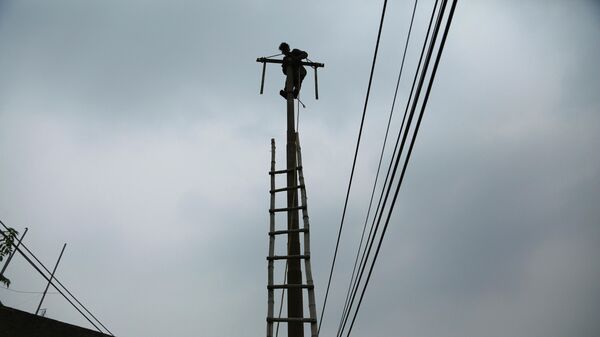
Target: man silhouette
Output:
[(292, 60)]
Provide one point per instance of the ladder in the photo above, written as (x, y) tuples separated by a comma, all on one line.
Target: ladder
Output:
[(274, 232)]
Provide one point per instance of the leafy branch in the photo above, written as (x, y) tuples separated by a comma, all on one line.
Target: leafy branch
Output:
[(6, 247)]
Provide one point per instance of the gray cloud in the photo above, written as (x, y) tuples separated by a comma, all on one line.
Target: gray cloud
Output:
[(134, 132)]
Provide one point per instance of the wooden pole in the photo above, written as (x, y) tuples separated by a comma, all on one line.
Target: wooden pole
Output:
[(312, 308), (51, 277), (294, 273)]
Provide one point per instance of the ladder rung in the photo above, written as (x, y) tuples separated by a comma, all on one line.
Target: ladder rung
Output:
[(287, 231), (285, 171), (289, 286), (288, 257), (286, 188), (292, 319), (285, 209)]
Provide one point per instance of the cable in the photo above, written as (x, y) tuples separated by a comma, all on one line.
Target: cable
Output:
[(55, 279), (350, 285), (402, 144), (282, 295), (50, 281), (414, 137), (298, 113), (28, 292), (372, 234), (353, 163)]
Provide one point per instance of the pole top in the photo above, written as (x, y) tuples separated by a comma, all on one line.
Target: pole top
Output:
[(310, 64)]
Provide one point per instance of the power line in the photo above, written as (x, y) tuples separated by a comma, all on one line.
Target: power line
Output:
[(27, 292), (50, 281), (353, 163), (413, 140), (373, 230), (58, 282), (350, 285)]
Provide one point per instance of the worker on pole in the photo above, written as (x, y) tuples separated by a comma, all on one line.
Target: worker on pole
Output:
[(293, 67), (292, 60)]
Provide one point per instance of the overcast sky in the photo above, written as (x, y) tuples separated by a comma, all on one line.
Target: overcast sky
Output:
[(134, 131)]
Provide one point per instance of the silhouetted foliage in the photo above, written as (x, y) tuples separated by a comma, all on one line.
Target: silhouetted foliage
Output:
[(6, 247)]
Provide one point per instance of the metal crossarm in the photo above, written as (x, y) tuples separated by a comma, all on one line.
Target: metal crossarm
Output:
[(265, 60), (310, 64)]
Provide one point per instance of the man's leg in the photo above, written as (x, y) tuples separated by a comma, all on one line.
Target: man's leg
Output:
[(298, 81), (289, 82), (289, 85)]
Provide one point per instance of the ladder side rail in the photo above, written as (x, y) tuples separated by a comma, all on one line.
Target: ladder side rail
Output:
[(312, 308), (271, 294)]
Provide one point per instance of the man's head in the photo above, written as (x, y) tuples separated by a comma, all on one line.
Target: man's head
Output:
[(284, 47)]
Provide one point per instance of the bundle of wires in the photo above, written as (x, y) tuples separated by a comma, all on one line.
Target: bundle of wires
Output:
[(417, 101)]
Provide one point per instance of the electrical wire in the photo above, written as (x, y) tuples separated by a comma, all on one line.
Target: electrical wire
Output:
[(373, 233), (298, 114), (353, 163), (350, 285), (414, 136), (401, 150), (50, 281), (28, 292), (57, 281)]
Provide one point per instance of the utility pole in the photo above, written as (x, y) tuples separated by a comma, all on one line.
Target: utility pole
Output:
[(50, 279), (294, 272)]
